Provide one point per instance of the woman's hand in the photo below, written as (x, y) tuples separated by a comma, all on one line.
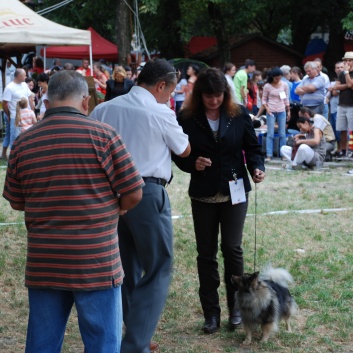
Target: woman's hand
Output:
[(201, 163), (258, 176)]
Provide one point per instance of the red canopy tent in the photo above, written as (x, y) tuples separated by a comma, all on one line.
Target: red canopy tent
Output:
[(101, 49)]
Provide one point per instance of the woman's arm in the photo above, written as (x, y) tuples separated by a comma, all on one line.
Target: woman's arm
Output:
[(313, 141)]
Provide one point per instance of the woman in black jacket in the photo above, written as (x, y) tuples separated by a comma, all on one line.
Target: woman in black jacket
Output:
[(219, 131), (119, 84)]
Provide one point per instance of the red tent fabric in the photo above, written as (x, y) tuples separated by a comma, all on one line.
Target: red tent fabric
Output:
[(101, 49)]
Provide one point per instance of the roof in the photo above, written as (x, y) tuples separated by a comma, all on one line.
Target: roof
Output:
[(101, 49), (239, 40), (22, 28)]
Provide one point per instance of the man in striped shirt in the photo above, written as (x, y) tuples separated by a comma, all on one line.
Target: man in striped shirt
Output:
[(72, 176)]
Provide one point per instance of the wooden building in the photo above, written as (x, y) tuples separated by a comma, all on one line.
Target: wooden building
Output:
[(266, 52)]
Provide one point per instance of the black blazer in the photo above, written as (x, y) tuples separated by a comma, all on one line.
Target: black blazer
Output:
[(236, 134), (113, 90)]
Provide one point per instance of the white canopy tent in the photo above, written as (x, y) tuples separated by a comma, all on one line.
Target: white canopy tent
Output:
[(21, 29)]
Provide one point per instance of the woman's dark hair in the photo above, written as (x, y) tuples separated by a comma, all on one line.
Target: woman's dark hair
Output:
[(38, 62), (211, 81), (227, 67), (180, 76), (306, 110), (196, 68), (43, 77), (274, 73), (304, 119)]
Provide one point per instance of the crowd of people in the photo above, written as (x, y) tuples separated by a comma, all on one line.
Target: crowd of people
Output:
[(280, 93), (92, 187)]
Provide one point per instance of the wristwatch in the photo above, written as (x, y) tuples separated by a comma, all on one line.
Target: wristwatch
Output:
[(346, 72)]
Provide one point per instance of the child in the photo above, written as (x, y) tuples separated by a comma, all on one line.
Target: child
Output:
[(25, 117)]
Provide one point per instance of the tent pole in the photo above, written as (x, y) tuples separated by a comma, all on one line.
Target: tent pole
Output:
[(45, 57), (90, 58)]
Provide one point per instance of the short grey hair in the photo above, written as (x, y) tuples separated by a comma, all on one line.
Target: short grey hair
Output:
[(285, 69), (311, 64), (67, 85)]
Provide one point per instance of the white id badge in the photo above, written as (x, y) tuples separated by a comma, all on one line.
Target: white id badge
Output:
[(237, 191), (282, 95)]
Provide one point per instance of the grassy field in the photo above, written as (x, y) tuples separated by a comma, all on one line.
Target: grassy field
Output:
[(314, 245)]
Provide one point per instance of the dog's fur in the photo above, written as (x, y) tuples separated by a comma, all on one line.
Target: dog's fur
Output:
[(264, 299)]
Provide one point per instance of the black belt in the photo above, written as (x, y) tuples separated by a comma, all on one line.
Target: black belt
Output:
[(154, 180)]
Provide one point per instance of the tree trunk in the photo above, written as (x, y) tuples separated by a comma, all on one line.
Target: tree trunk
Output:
[(123, 31), (335, 49), (218, 25)]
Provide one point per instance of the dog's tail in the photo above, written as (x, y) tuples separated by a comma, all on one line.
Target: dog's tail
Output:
[(277, 275)]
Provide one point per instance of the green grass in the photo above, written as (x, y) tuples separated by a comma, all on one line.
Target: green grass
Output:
[(315, 247)]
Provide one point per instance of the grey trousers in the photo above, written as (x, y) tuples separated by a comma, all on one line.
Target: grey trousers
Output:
[(146, 246)]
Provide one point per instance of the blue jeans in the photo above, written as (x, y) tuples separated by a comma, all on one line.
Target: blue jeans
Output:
[(270, 120), (14, 132), (6, 141), (99, 317), (333, 119)]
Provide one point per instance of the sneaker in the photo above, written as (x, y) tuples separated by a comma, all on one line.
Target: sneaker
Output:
[(267, 159), (350, 172)]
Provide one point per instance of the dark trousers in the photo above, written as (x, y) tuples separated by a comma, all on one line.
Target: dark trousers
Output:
[(146, 245), (208, 219)]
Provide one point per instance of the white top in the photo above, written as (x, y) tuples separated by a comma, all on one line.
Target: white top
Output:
[(149, 130), (232, 88), (13, 93), (42, 108)]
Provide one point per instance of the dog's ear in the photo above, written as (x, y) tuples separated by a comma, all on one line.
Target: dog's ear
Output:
[(254, 278)]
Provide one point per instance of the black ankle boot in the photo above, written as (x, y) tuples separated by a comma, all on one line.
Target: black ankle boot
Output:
[(211, 324), (234, 320)]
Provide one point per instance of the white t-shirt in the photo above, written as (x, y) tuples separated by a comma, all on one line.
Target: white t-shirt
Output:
[(42, 108), (13, 93), (232, 88), (149, 130)]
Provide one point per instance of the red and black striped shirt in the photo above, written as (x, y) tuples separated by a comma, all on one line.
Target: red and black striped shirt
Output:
[(67, 171)]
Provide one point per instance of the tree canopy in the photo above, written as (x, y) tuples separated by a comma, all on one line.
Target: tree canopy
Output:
[(168, 24)]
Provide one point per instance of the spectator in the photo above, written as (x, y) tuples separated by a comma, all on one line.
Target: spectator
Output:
[(312, 89), (150, 130), (84, 69), (241, 81), (13, 92), (344, 122), (179, 93), (128, 71), (43, 81), (286, 70), (275, 101), (25, 117), (100, 80), (296, 77), (68, 66), (229, 71), (310, 144), (327, 85), (118, 85), (219, 131), (324, 125), (333, 96), (192, 73), (72, 176), (253, 93)]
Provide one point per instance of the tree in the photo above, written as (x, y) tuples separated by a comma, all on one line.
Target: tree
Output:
[(123, 26)]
